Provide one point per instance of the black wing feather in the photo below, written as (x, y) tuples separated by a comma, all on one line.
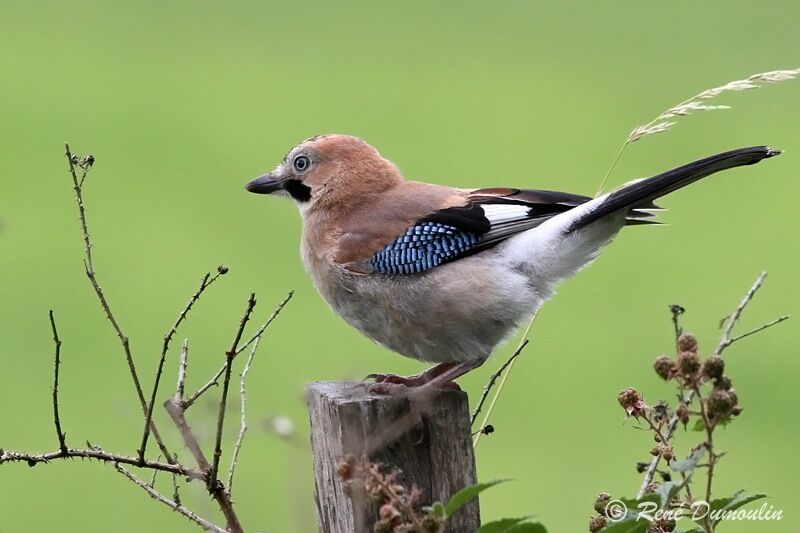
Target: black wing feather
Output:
[(456, 232), (637, 194)]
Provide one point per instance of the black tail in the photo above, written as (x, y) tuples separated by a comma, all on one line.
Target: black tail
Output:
[(642, 192)]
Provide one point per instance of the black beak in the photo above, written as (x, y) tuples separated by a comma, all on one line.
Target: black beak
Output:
[(266, 184)]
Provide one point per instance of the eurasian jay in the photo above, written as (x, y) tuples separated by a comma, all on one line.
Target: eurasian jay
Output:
[(442, 274)]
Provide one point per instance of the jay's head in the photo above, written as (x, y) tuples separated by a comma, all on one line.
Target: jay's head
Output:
[(328, 170)]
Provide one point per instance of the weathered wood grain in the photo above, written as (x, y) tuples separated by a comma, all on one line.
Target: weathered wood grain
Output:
[(427, 437)]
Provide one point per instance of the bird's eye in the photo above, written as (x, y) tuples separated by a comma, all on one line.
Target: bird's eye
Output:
[(301, 163)]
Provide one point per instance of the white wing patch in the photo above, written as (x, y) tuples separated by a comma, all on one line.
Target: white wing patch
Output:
[(507, 220), (504, 213)]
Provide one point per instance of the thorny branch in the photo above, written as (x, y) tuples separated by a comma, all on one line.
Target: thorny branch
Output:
[(182, 364), (174, 505), (98, 454), (243, 423), (257, 335), (229, 356), (204, 284), (493, 378), (62, 438), (510, 365), (175, 406), (85, 164), (177, 411)]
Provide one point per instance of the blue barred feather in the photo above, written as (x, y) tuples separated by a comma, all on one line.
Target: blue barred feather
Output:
[(422, 247)]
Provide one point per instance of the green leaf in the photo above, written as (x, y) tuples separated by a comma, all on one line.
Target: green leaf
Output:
[(734, 502), (501, 526), (437, 510), (699, 426), (629, 524), (725, 422), (462, 497), (666, 492), (527, 527), (690, 463), (633, 503), (513, 525)]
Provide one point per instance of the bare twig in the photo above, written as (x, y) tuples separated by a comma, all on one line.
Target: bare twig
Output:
[(100, 455), (730, 322), (175, 506), (91, 274), (709, 444), (760, 328), (653, 466), (176, 497), (155, 472), (210, 383), (676, 311), (229, 356), (182, 364), (521, 345), (176, 410), (656, 429), (493, 379), (206, 282), (260, 331), (62, 438), (215, 378), (725, 341), (243, 424), (176, 407)]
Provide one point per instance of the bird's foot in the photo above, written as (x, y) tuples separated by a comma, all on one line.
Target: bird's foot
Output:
[(394, 384), (408, 381), (417, 380), (398, 387), (440, 376)]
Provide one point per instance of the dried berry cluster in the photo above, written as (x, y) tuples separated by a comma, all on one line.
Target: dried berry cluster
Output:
[(691, 372), (398, 505)]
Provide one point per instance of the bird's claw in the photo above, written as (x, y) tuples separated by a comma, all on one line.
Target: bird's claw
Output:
[(401, 385), (388, 388), (410, 381)]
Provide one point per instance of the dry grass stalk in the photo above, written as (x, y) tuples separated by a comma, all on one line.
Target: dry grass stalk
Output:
[(661, 123)]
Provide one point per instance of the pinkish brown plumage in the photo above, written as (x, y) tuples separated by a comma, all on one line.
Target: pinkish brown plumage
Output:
[(443, 274)]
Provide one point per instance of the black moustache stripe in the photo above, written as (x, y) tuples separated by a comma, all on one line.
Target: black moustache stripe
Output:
[(297, 190)]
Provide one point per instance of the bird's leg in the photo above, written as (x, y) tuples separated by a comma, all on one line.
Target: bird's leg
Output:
[(445, 379), (439, 377), (413, 381)]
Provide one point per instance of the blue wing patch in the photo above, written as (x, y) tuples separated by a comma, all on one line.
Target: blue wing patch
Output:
[(422, 247)]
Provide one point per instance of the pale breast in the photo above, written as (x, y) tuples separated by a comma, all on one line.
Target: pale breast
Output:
[(458, 312)]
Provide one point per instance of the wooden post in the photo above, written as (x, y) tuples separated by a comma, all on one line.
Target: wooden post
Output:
[(426, 436)]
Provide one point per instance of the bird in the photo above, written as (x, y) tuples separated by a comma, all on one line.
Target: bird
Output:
[(441, 274)]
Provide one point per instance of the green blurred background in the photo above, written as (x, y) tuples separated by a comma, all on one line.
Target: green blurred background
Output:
[(183, 102)]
